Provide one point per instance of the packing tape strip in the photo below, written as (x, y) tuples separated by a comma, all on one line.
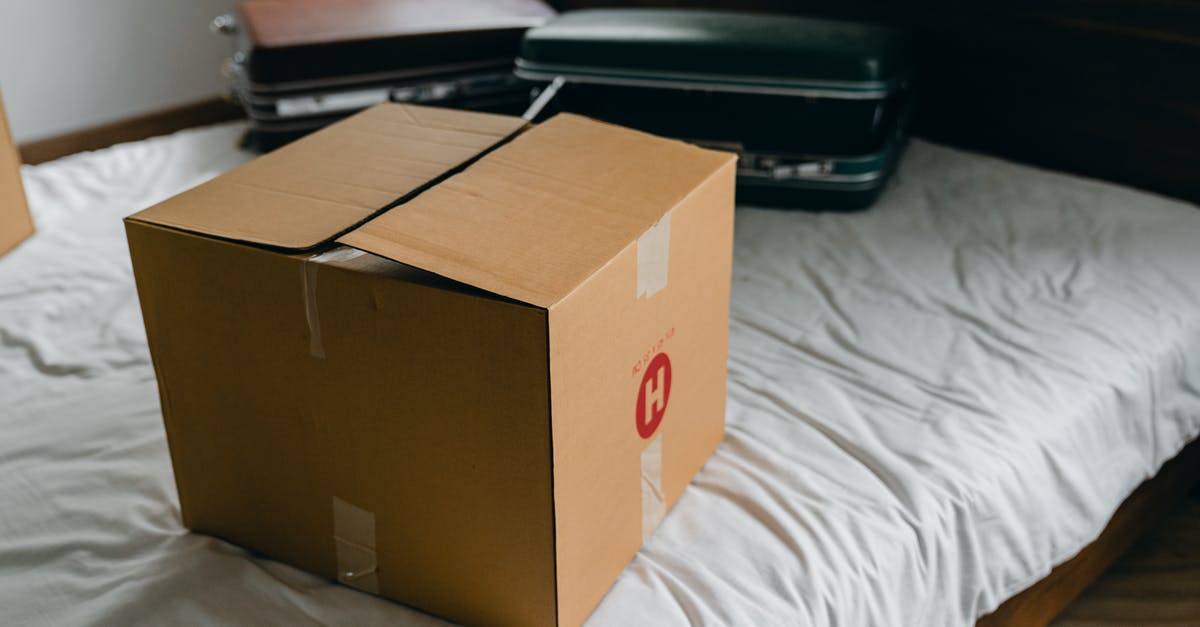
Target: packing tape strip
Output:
[(354, 541), (653, 252), (654, 504), (308, 280)]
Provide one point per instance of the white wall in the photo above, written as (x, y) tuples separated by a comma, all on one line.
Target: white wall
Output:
[(71, 64)]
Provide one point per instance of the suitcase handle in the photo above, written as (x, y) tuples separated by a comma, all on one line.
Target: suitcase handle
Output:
[(783, 169), (776, 167)]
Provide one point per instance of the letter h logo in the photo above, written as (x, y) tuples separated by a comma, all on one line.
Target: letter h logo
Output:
[(653, 395)]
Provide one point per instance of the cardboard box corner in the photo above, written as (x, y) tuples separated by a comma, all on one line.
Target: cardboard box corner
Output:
[(16, 224)]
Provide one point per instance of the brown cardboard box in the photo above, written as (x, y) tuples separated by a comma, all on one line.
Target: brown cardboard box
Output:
[(15, 223), (478, 399)]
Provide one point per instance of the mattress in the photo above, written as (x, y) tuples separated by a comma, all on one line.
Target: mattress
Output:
[(931, 404)]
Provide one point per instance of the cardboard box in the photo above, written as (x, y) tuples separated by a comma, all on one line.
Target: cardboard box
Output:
[(15, 223), (442, 356)]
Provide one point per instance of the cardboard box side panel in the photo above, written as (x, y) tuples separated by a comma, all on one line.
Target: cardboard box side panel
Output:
[(288, 382), (15, 222), (434, 413), (229, 340), (323, 184), (606, 339)]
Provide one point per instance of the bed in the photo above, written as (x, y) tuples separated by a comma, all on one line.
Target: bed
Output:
[(931, 405)]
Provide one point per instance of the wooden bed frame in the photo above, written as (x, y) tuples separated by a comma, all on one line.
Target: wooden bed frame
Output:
[(1144, 509), (1005, 79), (208, 111)]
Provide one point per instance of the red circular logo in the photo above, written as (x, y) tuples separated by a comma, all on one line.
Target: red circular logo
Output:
[(653, 395)]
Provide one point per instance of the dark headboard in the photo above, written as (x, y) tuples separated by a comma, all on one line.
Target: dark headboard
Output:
[(1104, 88)]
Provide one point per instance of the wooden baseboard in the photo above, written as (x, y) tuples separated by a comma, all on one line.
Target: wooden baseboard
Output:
[(133, 128), (1145, 508)]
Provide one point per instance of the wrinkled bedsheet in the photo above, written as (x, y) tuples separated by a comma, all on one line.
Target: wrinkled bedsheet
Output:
[(931, 404)]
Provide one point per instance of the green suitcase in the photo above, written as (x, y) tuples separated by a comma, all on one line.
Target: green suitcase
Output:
[(816, 108)]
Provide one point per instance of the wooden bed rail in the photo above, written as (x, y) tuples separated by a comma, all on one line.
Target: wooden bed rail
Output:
[(1144, 509), (130, 129)]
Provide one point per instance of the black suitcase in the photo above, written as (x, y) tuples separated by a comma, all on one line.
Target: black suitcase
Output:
[(303, 64), (816, 109)]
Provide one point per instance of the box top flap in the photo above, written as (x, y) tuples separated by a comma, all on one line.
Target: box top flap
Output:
[(309, 191), (536, 217)]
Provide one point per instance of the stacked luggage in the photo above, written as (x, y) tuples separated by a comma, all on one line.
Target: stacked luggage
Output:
[(816, 109)]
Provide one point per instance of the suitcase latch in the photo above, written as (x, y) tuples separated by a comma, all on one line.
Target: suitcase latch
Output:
[(782, 169)]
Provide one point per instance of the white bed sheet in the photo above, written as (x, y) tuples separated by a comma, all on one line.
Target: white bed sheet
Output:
[(930, 405)]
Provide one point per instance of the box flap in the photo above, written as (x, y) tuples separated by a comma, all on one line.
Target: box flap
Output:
[(321, 185), (534, 218)]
